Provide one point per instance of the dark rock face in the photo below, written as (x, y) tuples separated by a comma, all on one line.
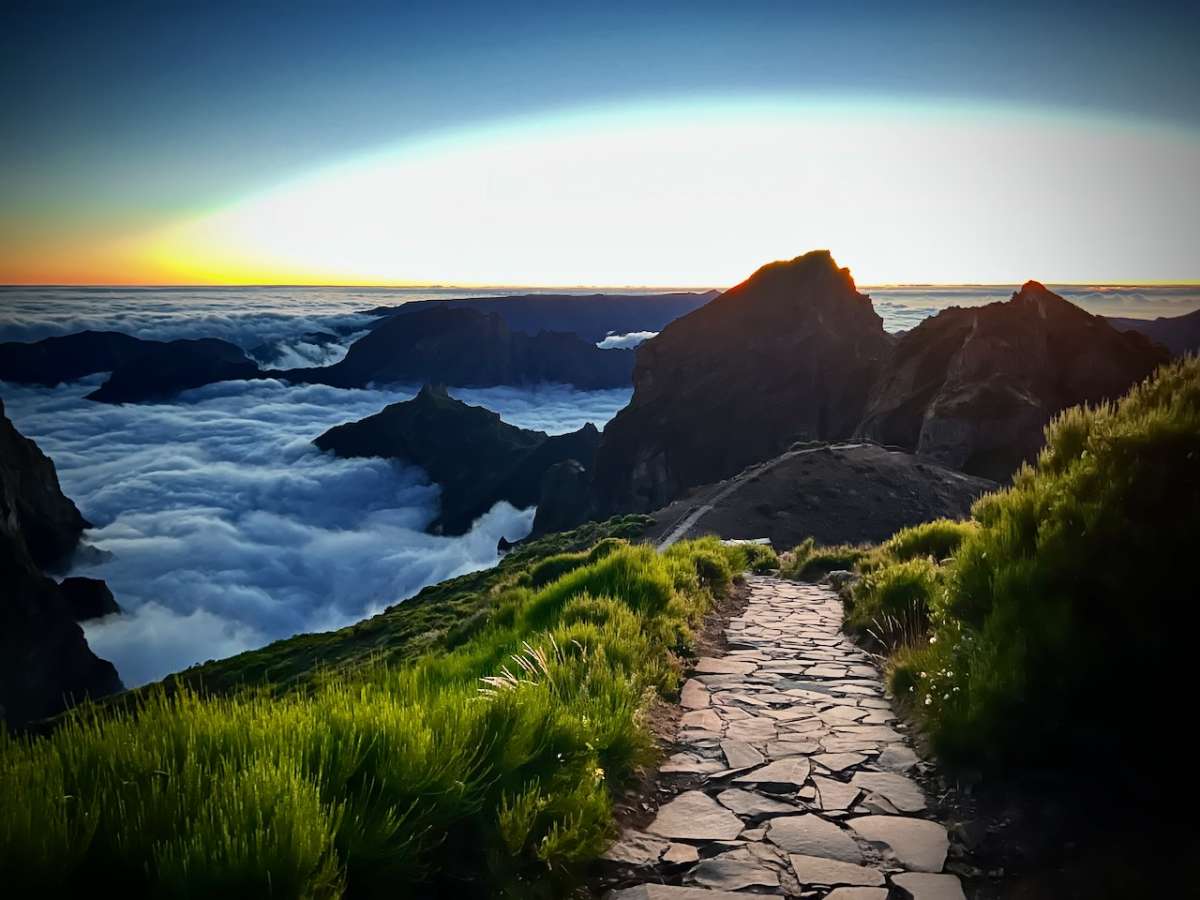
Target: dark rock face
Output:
[(48, 522), (141, 370), (591, 317), (87, 598), (787, 355), (162, 370), (45, 662), (58, 359), (1179, 334), (973, 388), (565, 499), (476, 458), (468, 348)]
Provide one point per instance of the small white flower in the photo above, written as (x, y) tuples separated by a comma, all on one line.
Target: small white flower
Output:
[(933, 639), (928, 699)]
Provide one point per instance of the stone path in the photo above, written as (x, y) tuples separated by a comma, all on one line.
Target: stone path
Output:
[(798, 772)]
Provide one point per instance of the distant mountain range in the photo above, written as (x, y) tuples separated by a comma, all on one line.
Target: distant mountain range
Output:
[(591, 316), (1179, 334), (519, 340)]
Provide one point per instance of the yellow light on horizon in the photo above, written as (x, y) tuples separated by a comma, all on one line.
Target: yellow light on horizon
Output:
[(701, 194)]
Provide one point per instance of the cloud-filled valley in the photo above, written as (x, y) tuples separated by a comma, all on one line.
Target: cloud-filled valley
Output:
[(224, 528)]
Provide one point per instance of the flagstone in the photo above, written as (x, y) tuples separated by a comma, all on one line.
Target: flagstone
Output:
[(694, 815), (811, 835), (915, 843)]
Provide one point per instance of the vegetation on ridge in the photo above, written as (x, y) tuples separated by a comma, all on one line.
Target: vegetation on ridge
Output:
[(1028, 633), (485, 768)]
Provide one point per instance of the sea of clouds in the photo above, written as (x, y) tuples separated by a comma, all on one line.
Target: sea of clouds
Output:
[(225, 529)]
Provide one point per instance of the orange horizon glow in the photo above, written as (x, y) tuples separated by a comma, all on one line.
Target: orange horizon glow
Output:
[(698, 194)]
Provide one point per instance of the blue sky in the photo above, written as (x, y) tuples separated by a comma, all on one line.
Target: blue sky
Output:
[(125, 115)]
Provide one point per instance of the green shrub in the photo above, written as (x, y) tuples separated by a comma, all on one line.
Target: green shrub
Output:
[(1067, 607), (485, 768), (809, 562), (937, 540), (892, 603), (759, 558)]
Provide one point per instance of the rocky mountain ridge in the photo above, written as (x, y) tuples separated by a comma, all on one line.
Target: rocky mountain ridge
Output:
[(973, 388), (785, 356), (470, 452), (796, 353), (45, 662)]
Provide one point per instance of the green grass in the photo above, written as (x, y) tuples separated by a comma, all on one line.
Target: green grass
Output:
[(482, 769), (433, 619), (1066, 610)]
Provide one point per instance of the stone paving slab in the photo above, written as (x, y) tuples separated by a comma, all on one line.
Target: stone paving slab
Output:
[(801, 772)]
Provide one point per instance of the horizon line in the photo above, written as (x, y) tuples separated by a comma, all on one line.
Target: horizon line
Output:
[(883, 285)]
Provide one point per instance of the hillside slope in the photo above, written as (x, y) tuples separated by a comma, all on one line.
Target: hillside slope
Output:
[(836, 494)]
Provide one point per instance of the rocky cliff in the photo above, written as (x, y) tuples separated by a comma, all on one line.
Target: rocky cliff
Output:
[(787, 355), (468, 348), (973, 388), (45, 662), (476, 458)]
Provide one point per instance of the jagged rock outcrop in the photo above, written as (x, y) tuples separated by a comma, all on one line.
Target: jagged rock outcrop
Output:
[(141, 369), (476, 458), (591, 316), (468, 348), (47, 522), (45, 662), (1179, 334), (787, 355), (87, 598), (162, 370), (973, 388)]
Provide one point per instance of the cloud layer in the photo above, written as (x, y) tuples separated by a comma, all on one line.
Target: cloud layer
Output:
[(227, 529), (619, 341)]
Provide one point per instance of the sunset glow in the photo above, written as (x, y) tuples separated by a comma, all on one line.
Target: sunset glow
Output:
[(693, 193)]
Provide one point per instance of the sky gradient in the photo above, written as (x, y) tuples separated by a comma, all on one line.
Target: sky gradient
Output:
[(541, 144)]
